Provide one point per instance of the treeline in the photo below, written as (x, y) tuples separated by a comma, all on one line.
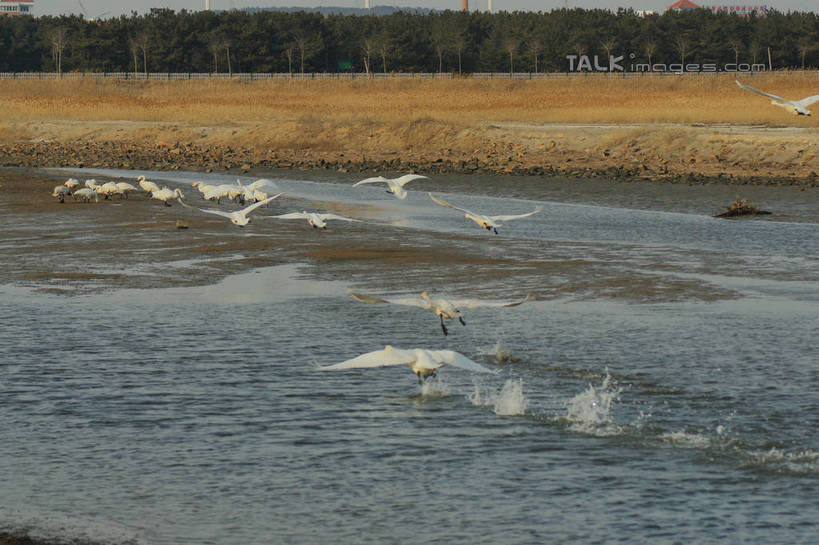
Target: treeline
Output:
[(405, 41)]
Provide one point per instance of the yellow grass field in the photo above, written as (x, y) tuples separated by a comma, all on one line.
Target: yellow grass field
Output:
[(671, 117)]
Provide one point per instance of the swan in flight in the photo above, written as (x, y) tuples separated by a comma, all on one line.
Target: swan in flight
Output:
[(315, 219), (490, 223), (798, 107), (147, 185), (445, 309), (166, 194), (239, 218), (396, 185), (424, 363)]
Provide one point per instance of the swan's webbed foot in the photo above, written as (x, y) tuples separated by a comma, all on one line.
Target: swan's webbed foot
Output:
[(443, 327), (420, 382), (460, 319), (496, 231)]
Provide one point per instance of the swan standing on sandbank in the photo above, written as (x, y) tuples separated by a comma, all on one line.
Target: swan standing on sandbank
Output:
[(85, 194), (396, 185), (147, 185), (166, 194), (424, 363), (797, 107), (315, 219), (490, 223), (239, 218), (445, 309)]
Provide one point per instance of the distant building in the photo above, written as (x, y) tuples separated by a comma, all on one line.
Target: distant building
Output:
[(759, 10), (643, 12), (16, 7), (682, 5)]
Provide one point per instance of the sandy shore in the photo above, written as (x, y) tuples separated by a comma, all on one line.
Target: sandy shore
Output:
[(656, 152)]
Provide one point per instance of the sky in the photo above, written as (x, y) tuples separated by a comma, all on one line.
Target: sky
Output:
[(114, 8)]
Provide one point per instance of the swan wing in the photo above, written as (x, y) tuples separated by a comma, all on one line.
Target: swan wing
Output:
[(518, 216), (475, 303), (290, 216), (206, 210), (442, 202), (763, 93), (807, 101), (335, 217), (406, 301), (254, 206), (376, 180), (263, 183), (456, 359), (407, 178), (379, 358)]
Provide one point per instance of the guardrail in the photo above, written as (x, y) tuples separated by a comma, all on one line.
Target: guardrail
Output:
[(252, 76)]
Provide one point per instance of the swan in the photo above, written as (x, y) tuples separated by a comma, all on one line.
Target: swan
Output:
[(797, 107), (239, 217), (396, 185), (60, 192), (203, 187), (108, 189), (125, 188), (448, 309), (315, 219), (221, 191), (86, 194), (92, 184), (147, 185), (166, 194), (490, 223), (423, 362), (71, 184)]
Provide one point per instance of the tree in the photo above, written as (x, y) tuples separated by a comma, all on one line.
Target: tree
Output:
[(133, 47), (649, 49), (608, 46), (510, 45), (459, 44), (144, 42), (535, 47), (368, 48), (736, 46), (59, 41), (681, 45), (289, 51)]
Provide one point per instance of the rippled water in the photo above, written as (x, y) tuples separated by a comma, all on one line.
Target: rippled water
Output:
[(662, 389)]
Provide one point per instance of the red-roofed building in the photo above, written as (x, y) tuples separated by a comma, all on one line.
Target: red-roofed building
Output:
[(16, 7), (683, 5)]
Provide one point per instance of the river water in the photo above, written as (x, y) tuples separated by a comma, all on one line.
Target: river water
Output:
[(661, 388)]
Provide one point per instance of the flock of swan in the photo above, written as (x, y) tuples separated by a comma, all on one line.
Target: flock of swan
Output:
[(423, 362)]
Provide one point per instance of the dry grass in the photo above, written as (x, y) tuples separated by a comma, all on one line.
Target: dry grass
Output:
[(466, 102)]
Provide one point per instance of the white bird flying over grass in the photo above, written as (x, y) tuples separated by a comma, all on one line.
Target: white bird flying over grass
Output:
[(239, 218), (490, 223), (315, 219), (798, 107), (445, 309), (424, 363), (396, 185)]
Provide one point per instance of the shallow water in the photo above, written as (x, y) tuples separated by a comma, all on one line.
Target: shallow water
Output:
[(662, 388)]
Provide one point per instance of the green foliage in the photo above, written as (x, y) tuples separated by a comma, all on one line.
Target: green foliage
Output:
[(403, 41)]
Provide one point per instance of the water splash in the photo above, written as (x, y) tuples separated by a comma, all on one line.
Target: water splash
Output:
[(590, 411), (502, 353), (435, 387), (797, 462), (510, 401)]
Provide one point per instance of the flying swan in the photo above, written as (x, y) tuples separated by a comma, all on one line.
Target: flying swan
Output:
[(424, 363), (797, 107), (490, 223), (396, 185), (445, 309), (315, 219), (239, 218)]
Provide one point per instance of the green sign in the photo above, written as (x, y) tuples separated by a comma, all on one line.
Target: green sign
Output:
[(345, 65)]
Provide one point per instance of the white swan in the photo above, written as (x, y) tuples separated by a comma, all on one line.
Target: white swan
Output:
[(147, 185), (166, 194), (797, 107), (221, 191), (125, 188), (445, 309), (424, 363), (396, 185), (203, 187), (92, 184), (490, 223), (239, 217), (108, 189), (315, 219), (60, 192), (71, 184), (86, 194)]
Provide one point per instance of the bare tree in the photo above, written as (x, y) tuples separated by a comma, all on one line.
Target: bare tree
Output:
[(133, 45), (288, 52), (804, 48), (368, 48), (608, 46), (510, 45), (215, 47), (649, 48), (144, 42), (754, 49), (681, 45), (438, 39), (459, 44), (226, 45), (383, 46), (59, 41), (535, 47), (736, 46), (304, 45)]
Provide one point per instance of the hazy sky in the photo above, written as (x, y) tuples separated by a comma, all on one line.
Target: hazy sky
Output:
[(95, 8)]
